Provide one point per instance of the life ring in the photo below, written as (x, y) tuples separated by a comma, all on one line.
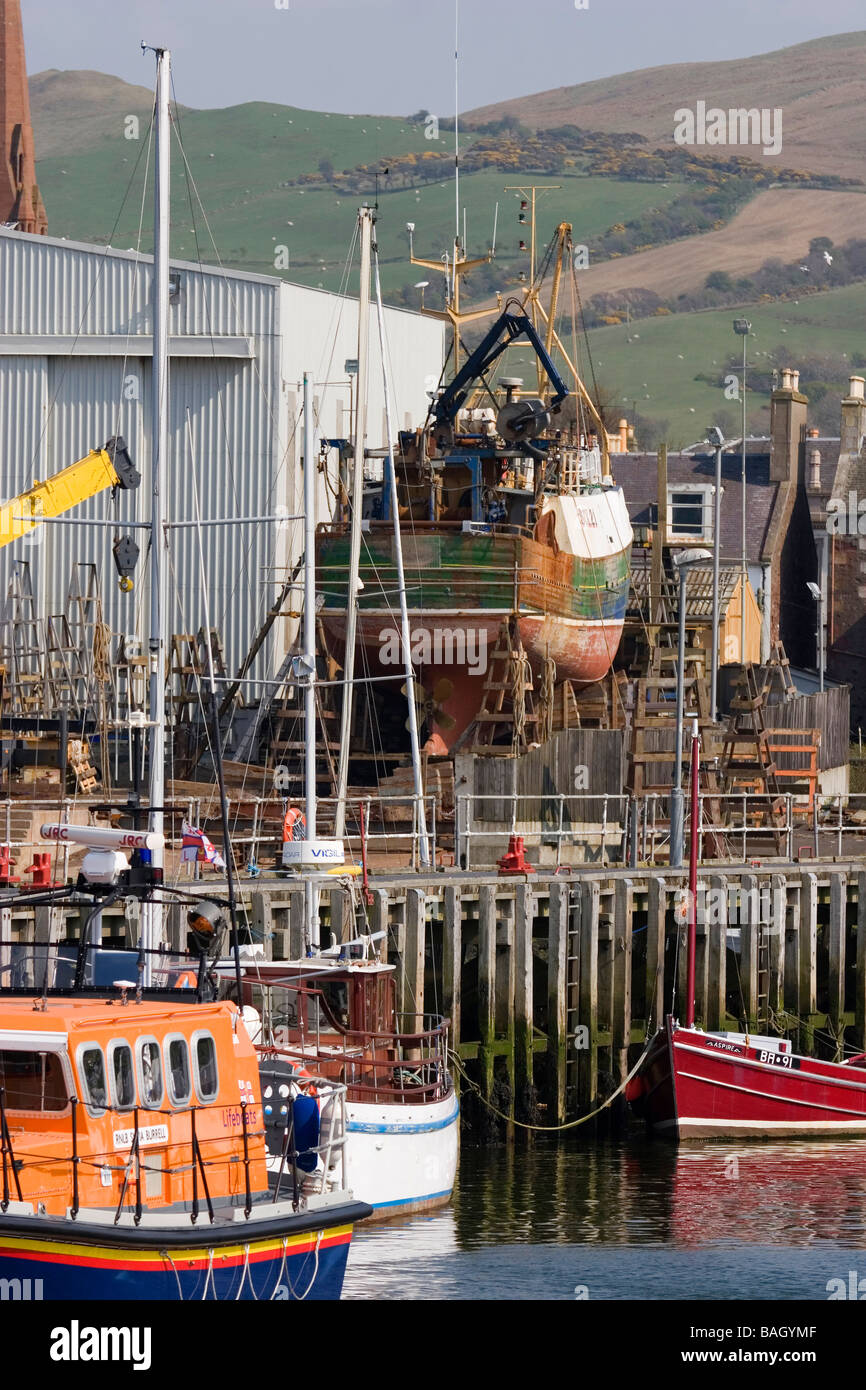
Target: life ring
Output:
[(294, 825), (302, 1073)]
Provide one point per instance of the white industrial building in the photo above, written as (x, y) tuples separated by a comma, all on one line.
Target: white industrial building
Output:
[(75, 369)]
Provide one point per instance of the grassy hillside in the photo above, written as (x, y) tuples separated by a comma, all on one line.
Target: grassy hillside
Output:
[(819, 85), (244, 161), (673, 368)]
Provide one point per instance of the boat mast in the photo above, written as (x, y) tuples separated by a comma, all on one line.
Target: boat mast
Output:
[(366, 219), (311, 892), (152, 911), (405, 630)]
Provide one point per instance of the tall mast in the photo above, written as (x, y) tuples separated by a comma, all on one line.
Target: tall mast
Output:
[(405, 630), (366, 219), (311, 892), (152, 916), (456, 134)]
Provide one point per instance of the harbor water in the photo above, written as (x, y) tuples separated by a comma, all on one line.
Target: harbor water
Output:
[(634, 1220)]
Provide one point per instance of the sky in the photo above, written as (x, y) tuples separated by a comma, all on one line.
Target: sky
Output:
[(393, 57)]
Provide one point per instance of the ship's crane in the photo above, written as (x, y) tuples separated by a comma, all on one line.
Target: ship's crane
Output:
[(518, 420), (110, 466)]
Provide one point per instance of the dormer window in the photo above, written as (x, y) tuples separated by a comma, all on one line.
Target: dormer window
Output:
[(690, 513)]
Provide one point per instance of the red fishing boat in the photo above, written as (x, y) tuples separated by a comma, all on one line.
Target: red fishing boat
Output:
[(696, 1085)]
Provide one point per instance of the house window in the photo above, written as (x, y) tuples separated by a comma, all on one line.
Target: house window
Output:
[(690, 512)]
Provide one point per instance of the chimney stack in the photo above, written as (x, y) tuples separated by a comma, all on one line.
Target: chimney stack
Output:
[(787, 427), (815, 470), (20, 200), (853, 427)]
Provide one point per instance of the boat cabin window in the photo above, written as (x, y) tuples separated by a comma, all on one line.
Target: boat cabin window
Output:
[(149, 1072), (122, 1075), (177, 1070), (206, 1078), (33, 1081), (91, 1070)]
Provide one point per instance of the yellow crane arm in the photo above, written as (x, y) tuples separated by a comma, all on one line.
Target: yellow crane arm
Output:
[(110, 466)]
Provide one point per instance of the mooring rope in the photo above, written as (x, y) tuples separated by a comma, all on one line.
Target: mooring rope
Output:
[(547, 1129)]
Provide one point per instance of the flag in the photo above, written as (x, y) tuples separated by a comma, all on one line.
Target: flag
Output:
[(197, 847)]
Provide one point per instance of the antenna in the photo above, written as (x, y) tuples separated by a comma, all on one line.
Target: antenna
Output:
[(456, 120), (495, 222)]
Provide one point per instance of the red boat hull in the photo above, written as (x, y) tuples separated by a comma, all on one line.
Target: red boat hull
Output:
[(697, 1085)]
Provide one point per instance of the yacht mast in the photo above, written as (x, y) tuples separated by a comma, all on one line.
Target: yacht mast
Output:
[(152, 913), (366, 218), (311, 892)]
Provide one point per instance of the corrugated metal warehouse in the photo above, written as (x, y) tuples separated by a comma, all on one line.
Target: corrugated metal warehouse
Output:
[(75, 346)]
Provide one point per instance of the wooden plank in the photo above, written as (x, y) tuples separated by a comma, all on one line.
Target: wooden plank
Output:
[(587, 1069), (716, 965), (452, 957), (655, 952), (808, 956), (296, 924), (262, 922), (860, 977), (557, 1038), (750, 926), (379, 921), (524, 1078), (410, 983), (486, 985), (791, 984), (776, 942), (836, 949), (622, 953)]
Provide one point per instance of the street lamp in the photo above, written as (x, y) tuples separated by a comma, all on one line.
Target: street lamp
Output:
[(817, 593), (742, 327), (682, 559)]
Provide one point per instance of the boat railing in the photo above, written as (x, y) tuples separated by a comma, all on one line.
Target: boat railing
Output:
[(621, 828), (407, 1065), (330, 1100)]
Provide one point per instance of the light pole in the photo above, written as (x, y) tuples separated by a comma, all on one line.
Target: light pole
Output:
[(817, 592), (742, 327), (683, 559)]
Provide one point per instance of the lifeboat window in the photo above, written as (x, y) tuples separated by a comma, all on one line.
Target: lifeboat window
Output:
[(33, 1081), (150, 1072), (91, 1069), (206, 1079), (177, 1069), (122, 1075)]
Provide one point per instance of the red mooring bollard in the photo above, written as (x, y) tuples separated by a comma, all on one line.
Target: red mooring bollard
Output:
[(513, 860), (41, 871), (7, 864)]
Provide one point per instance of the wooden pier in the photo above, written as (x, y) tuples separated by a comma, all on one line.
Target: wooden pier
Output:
[(553, 984)]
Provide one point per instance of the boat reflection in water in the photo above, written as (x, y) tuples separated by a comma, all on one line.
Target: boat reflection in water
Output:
[(796, 1193), (642, 1220)]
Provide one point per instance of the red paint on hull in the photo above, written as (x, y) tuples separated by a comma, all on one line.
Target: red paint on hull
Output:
[(583, 652), (697, 1085)]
